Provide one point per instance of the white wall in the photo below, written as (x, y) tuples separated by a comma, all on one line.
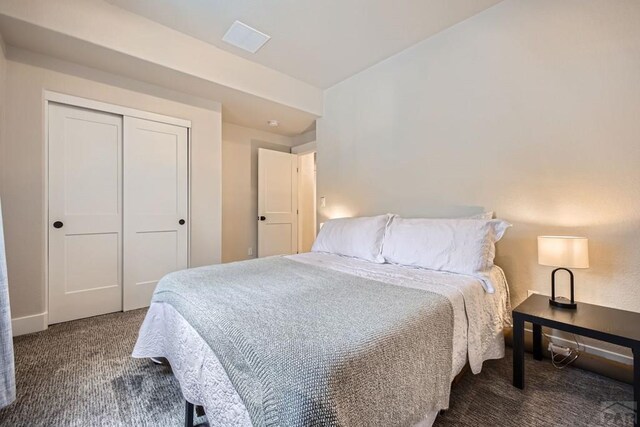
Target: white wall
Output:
[(240, 187), (3, 75), (531, 109), (23, 161), (305, 138), (307, 147)]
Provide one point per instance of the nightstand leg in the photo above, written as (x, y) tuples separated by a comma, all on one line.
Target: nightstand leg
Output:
[(518, 352), (537, 342)]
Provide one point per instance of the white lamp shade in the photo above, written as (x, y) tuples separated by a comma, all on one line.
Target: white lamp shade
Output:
[(563, 251)]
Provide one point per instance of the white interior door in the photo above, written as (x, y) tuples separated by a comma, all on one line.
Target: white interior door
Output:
[(277, 203), (155, 206), (85, 213)]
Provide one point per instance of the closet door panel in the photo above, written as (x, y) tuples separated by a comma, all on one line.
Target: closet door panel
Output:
[(155, 202), (153, 177), (85, 213), (95, 262)]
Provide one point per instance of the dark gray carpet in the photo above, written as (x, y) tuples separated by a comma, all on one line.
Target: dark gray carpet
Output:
[(552, 397), (80, 374)]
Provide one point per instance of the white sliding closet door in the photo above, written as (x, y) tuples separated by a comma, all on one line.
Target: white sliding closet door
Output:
[(155, 206), (85, 213)]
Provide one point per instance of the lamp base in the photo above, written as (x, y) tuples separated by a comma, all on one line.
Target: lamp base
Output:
[(563, 302)]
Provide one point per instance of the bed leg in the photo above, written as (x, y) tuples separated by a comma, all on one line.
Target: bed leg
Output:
[(188, 415), (200, 411), (190, 412)]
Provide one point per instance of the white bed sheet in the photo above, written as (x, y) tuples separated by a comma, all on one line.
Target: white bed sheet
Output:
[(479, 318)]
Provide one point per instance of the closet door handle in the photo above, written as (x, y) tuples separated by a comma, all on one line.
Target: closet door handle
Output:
[(58, 224), (181, 222), (263, 218)]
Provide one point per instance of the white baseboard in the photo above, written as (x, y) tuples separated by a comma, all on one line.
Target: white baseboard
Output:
[(29, 324), (591, 349)]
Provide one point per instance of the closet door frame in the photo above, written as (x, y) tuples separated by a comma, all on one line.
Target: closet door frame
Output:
[(90, 104)]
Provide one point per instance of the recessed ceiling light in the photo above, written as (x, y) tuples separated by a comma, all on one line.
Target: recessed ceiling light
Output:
[(243, 36), (273, 123)]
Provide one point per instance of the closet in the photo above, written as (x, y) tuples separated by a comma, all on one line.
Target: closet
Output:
[(117, 209)]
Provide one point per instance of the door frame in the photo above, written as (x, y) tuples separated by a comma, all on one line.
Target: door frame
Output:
[(50, 97), (315, 196), (301, 150)]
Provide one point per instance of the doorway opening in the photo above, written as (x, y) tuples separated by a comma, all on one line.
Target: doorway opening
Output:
[(286, 202), (306, 201)]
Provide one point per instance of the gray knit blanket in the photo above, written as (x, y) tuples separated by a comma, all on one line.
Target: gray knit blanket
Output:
[(308, 346)]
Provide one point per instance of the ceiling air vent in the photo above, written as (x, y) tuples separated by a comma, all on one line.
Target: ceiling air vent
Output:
[(243, 36)]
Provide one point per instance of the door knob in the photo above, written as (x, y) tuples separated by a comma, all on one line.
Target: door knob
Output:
[(181, 222), (263, 218), (58, 224)]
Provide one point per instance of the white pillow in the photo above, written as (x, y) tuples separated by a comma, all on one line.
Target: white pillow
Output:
[(483, 215), (463, 246), (355, 237)]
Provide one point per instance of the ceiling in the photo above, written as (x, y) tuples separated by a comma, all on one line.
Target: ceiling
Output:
[(320, 42), (26, 43), (77, 38)]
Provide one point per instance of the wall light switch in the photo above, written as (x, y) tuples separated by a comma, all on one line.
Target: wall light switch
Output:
[(323, 202)]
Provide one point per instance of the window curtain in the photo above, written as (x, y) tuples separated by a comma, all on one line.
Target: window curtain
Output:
[(7, 372)]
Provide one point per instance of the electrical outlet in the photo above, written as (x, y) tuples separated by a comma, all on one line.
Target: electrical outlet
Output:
[(558, 349), (323, 202), (250, 252)]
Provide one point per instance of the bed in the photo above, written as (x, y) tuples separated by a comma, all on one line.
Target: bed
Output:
[(477, 320)]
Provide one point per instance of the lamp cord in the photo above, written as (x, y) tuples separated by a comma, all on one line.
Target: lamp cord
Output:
[(573, 355)]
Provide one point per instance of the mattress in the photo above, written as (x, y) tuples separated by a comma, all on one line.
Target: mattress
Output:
[(479, 318)]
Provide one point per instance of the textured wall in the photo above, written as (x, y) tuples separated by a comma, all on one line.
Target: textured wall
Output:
[(240, 187), (23, 165), (530, 109)]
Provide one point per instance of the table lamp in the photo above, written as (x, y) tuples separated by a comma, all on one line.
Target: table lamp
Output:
[(563, 252)]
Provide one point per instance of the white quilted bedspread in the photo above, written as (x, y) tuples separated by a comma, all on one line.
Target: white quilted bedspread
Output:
[(479, 318)]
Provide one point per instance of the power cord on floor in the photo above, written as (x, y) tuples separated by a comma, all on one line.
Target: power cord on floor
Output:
[(561, 361)]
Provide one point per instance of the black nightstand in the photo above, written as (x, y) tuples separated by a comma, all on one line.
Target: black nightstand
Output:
[(602, 323)]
